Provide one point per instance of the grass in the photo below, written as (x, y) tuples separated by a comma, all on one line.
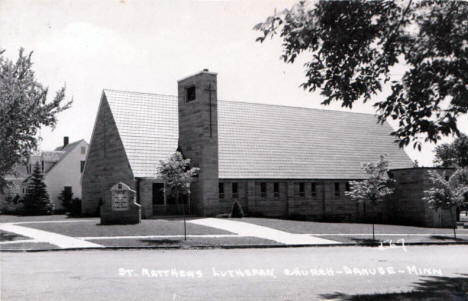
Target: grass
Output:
[(307, 227), (27, 246), (190, 242), (8, 236), (359, 233), (92, 228), (19, 218)]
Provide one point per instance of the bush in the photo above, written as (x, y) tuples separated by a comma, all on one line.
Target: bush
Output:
[(11, 205), (237, 210), (75, 208)]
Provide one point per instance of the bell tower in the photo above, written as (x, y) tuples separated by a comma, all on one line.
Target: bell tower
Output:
[(198, 137)]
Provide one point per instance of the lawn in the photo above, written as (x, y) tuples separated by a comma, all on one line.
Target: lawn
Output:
[(179, 241), (8, 236), (92, 228), (4, 218), (361, 233), (307, 227), (27, 246)]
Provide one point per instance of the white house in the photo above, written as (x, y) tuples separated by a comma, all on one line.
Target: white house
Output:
[(62, 169)]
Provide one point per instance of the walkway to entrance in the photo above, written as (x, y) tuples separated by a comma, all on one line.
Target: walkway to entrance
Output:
[(247, 229), (62, 241)]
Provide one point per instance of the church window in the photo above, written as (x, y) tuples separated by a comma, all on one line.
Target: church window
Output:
[(190, 94), (314, 190), (337, 189), (235, 190), (158, 194), (301, 189), (276, 190), (221, 190), (263, 190)]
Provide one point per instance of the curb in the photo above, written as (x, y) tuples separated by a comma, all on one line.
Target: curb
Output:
[(207, 247)]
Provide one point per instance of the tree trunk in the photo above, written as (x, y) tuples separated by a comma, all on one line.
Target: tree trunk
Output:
[(373, 231), (455, 226)]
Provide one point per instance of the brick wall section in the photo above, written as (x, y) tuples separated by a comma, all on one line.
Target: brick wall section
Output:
[(106, 163), (406, 205), (289, 202), (196, 142)]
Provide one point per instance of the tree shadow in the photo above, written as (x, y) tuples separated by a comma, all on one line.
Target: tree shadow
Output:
[(8, 236), (429, 288), (442, 237), (366, 241), (162, 241)]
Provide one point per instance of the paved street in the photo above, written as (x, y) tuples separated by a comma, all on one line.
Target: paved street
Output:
[(333, 273)]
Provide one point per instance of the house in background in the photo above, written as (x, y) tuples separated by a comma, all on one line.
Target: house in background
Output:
[(62, 169), (274, 160)]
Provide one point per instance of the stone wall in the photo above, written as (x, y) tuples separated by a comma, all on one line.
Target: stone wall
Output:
[(406, 205), (290, 201), (198, 137), (106, 162)]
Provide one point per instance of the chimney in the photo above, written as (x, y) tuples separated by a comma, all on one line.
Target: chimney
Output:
[(198, 136), (65, 141)]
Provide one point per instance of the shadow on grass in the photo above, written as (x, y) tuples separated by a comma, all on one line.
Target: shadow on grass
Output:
[(442, 237), (7, 236), (366, 241), (429, 288), (162, 241)]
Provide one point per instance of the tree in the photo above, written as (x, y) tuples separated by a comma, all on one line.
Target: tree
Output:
[(177, 174), (36, 201), (448, 194), (454, 154), (375, 188), (23, 110), (352, 47)]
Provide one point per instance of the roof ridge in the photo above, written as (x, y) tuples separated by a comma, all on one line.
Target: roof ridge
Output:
[(136, 92), (247, 102)]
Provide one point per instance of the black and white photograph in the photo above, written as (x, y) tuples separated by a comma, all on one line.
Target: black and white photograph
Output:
[(194, 150)]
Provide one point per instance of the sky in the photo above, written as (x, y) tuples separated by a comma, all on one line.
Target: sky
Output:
[(146, 46)]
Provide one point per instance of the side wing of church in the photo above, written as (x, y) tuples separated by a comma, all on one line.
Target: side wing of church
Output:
[(273, 160)]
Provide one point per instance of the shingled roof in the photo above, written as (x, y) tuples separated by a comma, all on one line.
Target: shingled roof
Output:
[(258, 140)]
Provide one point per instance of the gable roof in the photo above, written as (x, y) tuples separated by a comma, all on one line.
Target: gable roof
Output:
[(258, 140), (68, 147)]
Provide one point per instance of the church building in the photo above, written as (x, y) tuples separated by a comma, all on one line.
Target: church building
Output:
[(276, 161)]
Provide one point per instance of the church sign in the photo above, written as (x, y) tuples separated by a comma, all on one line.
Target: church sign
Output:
[(120, 206), (120, 197)]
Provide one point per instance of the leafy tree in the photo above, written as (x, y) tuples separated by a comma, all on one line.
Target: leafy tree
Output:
[(23, 110), (36, 201), (351, 47), (448, 194), (454, 154), (375, 188), (177, 173)]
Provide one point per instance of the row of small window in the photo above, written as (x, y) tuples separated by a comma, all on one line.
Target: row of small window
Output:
[(276, 189), (29, 167)]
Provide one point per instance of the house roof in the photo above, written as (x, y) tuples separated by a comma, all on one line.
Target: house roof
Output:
[(258, 140), (68, 147)]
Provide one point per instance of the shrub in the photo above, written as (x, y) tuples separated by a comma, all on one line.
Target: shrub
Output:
[(237, 210)]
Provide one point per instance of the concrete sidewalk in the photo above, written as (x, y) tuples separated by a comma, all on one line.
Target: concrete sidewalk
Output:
[(247, 229), (61, 241)]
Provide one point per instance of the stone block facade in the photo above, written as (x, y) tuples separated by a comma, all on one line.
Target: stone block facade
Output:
[(198, 137), (406, 205), (106, 162)]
